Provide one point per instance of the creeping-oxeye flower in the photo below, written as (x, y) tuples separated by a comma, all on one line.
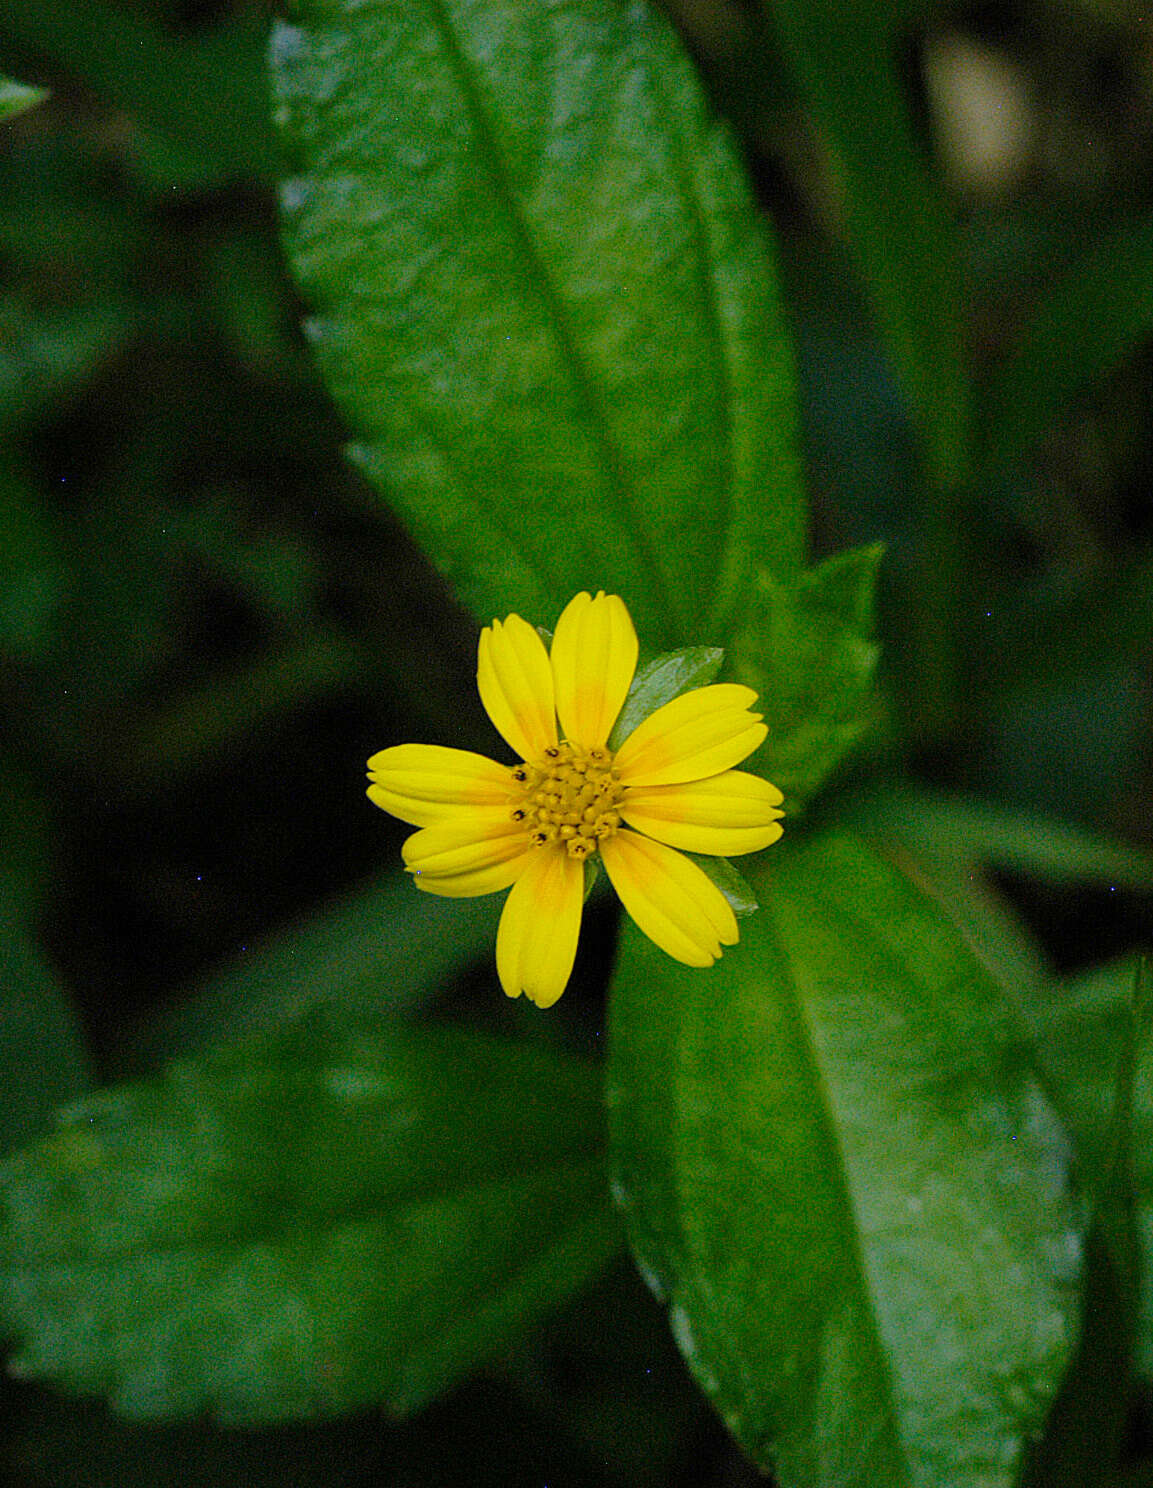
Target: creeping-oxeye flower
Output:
[(532, 825)]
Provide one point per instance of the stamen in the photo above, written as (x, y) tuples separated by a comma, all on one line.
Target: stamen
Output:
[(569, 798)]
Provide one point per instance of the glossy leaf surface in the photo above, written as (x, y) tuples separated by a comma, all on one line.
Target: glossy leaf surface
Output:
[(299, 1226), (843, 1176), (664, 678), (544, 301)]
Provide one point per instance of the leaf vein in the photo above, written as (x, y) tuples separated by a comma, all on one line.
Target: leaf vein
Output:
[(533, 260)]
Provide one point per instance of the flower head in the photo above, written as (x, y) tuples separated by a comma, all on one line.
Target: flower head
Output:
[(533, 825)]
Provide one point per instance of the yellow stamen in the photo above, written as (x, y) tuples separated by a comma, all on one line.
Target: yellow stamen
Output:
[(569, 797)]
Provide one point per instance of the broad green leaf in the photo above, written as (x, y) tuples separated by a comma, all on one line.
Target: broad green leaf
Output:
[(987, 921), (845, 59), (842, 1174), (665, 678), (1087, 321), (303, 1225), (544, 301), (1080, 1026), (807, 648), (16, 98)]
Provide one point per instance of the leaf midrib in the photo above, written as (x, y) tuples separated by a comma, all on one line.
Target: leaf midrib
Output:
[(325, 1221), (530, 257), (806, 1034)]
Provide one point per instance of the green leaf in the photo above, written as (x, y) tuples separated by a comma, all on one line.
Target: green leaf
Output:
[(665, 678), (969, 829), (844, 57), (43, 1060), (1093, 1032), (204, 98), (1117, 1191), (842, 1174), (43, 1057), (1086, 1437), (33, 579), (545, 302), (733, 885), (376, 956), (1081, 1025), (1087, 321), (806, 647), (305, 1225), (17, 98)]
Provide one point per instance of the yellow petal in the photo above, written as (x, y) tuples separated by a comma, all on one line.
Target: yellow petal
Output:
[(539, 927), (426, 784), (478, 852), (515, 682), (669, 898), (594, 656), (726, 815), (697, 735)]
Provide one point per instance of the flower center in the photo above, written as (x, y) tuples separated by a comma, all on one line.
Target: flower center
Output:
[(569, 798)]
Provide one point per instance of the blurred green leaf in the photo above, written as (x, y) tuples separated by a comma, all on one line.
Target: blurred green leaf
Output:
[(43, 1058), (45, 353), (544, 301), (205, 98), (16, 98), (807, 648), (841, 1172), (1056, 637), (374, 956), (32, 574), (1088, 1428), (845, 57), (43, 1061), (1087, 320), (305, 1225), (1072, 749), (1094, 1038), (965, 828)]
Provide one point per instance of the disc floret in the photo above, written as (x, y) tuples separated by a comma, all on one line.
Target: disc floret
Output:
[(569, 798)]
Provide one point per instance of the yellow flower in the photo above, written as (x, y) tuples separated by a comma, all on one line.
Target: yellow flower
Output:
[(671, 784)]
